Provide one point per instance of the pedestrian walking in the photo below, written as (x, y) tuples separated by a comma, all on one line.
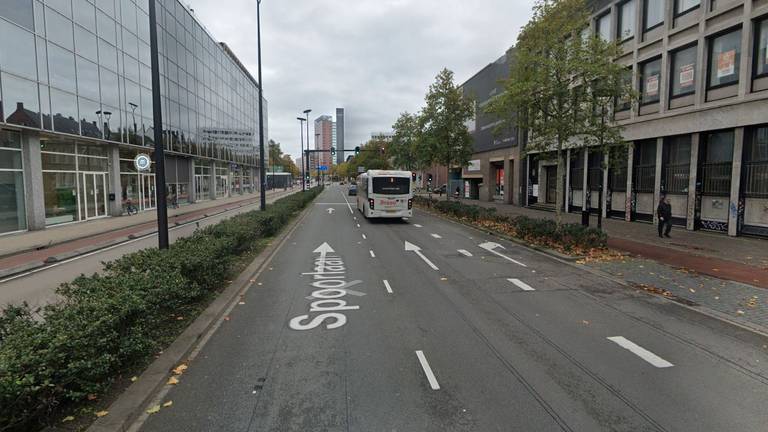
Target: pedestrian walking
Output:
[(664, 211)]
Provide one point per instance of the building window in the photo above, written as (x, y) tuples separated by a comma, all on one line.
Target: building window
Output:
[(604, 27), (724, 58), (650, 76), (644, 166), (12, 210), (677, 154), (653, 14), (717, 162), (683, 6), (755, 168), (627, 20), (623, 103), (761, 45), (684, 71)]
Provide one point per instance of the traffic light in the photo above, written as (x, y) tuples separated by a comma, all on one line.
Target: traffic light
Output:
[(382, 151), (357, 150), (333, 150), (429, 178), (413, 176)]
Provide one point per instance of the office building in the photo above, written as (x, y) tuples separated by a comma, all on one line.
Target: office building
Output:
[(494, 169), (340, 135), (324, 140), (76, 110)]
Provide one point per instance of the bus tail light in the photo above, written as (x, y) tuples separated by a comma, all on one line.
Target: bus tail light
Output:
[(370, 203), (410, 204)]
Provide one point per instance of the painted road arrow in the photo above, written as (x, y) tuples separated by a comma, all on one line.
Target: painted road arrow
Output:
[(331, 210), (410, 247), (324, 249), (491, 246)]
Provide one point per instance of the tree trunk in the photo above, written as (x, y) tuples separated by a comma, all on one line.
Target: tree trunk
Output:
[(559, 196)]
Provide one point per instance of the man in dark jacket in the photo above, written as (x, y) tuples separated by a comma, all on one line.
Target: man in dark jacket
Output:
[(664, 211)]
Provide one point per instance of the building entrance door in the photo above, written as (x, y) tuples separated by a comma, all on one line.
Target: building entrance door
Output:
[(92, 192), (147, 195), (551, 197)]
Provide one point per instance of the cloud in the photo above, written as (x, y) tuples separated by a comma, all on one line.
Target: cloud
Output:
[(375, 58)]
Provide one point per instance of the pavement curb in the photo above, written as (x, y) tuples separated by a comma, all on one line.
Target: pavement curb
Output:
[(571, 261), (129, 406), (53, 259)]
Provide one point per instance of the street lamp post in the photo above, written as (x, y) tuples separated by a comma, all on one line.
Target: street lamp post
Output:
[(262, 173), (157, 119), (303, 175), (306, 114)]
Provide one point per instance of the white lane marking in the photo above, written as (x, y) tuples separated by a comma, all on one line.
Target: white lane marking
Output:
[(412, 247), (490, 246), (330, 210), (437, 236), (373, 255), (364, 237), (465, 252), (347, 201), (417, 226), (427, 371), (522, 285), (329, 204), (386, 285), (640, 352), (358, 225)]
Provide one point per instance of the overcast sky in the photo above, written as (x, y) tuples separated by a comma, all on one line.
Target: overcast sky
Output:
[(375, 58)]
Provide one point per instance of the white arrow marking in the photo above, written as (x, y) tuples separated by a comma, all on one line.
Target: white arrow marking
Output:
[(640, 352), (410, 247), (324, 249), (417, 225), (331, 210), (465, 252), (387, 286), (523, 286), (490, 246), (437, 236)]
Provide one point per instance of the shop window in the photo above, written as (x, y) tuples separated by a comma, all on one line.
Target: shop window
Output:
[(684, 71), (724, 59), (755, 168), (577, 170), (627, 20), (684, 6), (653, 14), (12, 210), (650, 77), (761, 47), (717, 162)]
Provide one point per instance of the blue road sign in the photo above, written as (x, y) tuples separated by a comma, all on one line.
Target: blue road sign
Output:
[(323, 168)]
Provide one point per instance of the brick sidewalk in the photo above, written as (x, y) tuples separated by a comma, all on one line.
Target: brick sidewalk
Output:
[(25, 248), (740, 259)]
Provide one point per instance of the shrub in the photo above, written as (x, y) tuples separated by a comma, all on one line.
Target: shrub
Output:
[(108, 323)]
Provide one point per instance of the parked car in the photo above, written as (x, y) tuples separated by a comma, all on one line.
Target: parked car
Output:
[(353, 190)]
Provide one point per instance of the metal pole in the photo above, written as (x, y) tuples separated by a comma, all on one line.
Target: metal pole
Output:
[(157, 119), (303, 177), (262, 173), (308, 172)]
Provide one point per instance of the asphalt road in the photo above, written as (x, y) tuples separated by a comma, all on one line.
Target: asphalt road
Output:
[(456, 337), (37, 287)]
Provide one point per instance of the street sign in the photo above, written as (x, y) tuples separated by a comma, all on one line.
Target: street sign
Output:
[(323, 168), (142, 162), (361, 170)]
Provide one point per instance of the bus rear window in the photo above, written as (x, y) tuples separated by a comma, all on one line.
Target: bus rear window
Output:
[(391, 185)]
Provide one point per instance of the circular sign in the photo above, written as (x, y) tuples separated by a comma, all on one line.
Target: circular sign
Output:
[(142, 162)]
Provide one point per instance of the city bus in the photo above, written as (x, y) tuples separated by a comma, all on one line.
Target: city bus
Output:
[(385, 194)]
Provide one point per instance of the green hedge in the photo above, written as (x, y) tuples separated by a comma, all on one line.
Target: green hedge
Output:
[(568, 238), (108, 323)]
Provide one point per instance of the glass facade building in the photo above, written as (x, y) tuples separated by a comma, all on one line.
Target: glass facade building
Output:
[(76, 106)]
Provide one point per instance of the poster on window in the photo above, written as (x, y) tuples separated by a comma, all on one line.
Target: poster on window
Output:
[(466, 189), (686, 75), (726, 63), (652, 85)]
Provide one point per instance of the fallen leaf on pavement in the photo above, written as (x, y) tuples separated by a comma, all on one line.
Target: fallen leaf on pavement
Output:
[(740, 312), (133, 379), (691, 290), (154, 409), (167, 404), (585, 322), (101, 413), (180, 369), (91, 397), (173, 380), (241, 303), (67, 419), (717, 297), (716, 269), (226, 318), (443, 278)]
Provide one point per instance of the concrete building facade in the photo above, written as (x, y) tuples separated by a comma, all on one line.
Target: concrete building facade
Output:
[(324, 140), (699, 133), (76, 110), (340, 135)]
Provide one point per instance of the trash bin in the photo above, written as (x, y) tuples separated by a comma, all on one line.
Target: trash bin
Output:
[(585, 218)]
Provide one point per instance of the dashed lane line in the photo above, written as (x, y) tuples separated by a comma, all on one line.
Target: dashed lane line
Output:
[(437, 236), (387, 286), (641, 352), (465, 252), (428, 371), (522, 285)]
